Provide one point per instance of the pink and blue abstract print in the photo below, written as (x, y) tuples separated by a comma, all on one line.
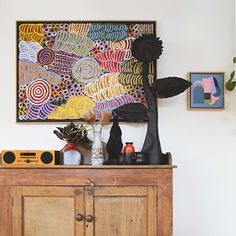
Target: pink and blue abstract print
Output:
[(207, 90)]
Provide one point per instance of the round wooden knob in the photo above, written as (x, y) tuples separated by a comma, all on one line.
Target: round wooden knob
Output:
[(89, 218), (79, 217)]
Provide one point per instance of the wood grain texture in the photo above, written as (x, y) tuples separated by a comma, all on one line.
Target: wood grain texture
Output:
[(123, 191), (44, 216), (5, 211), (92, 167), (121, 216), (89, 210), (152, 211), (79, 209), (165, 210), (80, 176), (42, 211), (121, 211), (48, 191), (17, 211)]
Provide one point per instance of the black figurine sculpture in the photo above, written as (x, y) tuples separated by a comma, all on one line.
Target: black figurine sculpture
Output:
[(147, 49), (114, 144)]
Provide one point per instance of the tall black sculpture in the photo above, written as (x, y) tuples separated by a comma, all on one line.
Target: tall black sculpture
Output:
[(146, 49)]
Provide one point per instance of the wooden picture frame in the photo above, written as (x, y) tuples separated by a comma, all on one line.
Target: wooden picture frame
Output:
[(206, 92), (50, 55)]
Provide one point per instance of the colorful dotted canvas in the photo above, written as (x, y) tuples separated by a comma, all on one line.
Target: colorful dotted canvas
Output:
[(64, 68)]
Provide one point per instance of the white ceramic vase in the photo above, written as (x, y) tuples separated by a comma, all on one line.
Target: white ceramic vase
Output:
[(97, 151), (71, 154)]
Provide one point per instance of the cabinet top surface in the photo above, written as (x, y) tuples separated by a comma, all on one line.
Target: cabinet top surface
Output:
[(93, 167)]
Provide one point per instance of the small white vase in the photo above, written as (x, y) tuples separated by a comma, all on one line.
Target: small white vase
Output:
[(71, 154), (97, 151)]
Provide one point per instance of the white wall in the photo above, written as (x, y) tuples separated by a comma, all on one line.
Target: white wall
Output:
[(198, 35)]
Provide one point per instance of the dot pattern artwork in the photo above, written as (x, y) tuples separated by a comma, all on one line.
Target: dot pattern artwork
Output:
[(64, 68)]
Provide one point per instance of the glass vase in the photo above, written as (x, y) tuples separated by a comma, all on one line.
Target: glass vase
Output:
[(97, 151)]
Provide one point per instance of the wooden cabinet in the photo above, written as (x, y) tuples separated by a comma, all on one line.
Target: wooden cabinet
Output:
[(86, 201)]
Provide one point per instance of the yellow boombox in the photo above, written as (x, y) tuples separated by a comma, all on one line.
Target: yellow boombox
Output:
[(31, 158)]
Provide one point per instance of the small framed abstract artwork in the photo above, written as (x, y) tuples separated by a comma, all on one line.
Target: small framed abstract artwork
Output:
[(66, 67), (206, 92)]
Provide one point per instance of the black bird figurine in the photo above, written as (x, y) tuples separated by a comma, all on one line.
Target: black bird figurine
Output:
[(114, 144)]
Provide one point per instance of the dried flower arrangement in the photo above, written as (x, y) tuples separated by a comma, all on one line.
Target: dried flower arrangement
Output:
[(90, 119)]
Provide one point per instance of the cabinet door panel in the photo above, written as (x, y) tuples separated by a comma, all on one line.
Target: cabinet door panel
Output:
[(47, 211), (121, 211), (44, 216), (126, 216)]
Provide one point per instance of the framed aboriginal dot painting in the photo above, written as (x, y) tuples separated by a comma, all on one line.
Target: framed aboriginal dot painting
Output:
[(66, 67), (207, 91)]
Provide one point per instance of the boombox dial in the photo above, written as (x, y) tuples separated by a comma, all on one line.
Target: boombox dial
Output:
[(46, 157), (9, 157)]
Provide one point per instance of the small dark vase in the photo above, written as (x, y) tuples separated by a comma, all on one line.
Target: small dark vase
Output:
[(129, 154), (140, 158)]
